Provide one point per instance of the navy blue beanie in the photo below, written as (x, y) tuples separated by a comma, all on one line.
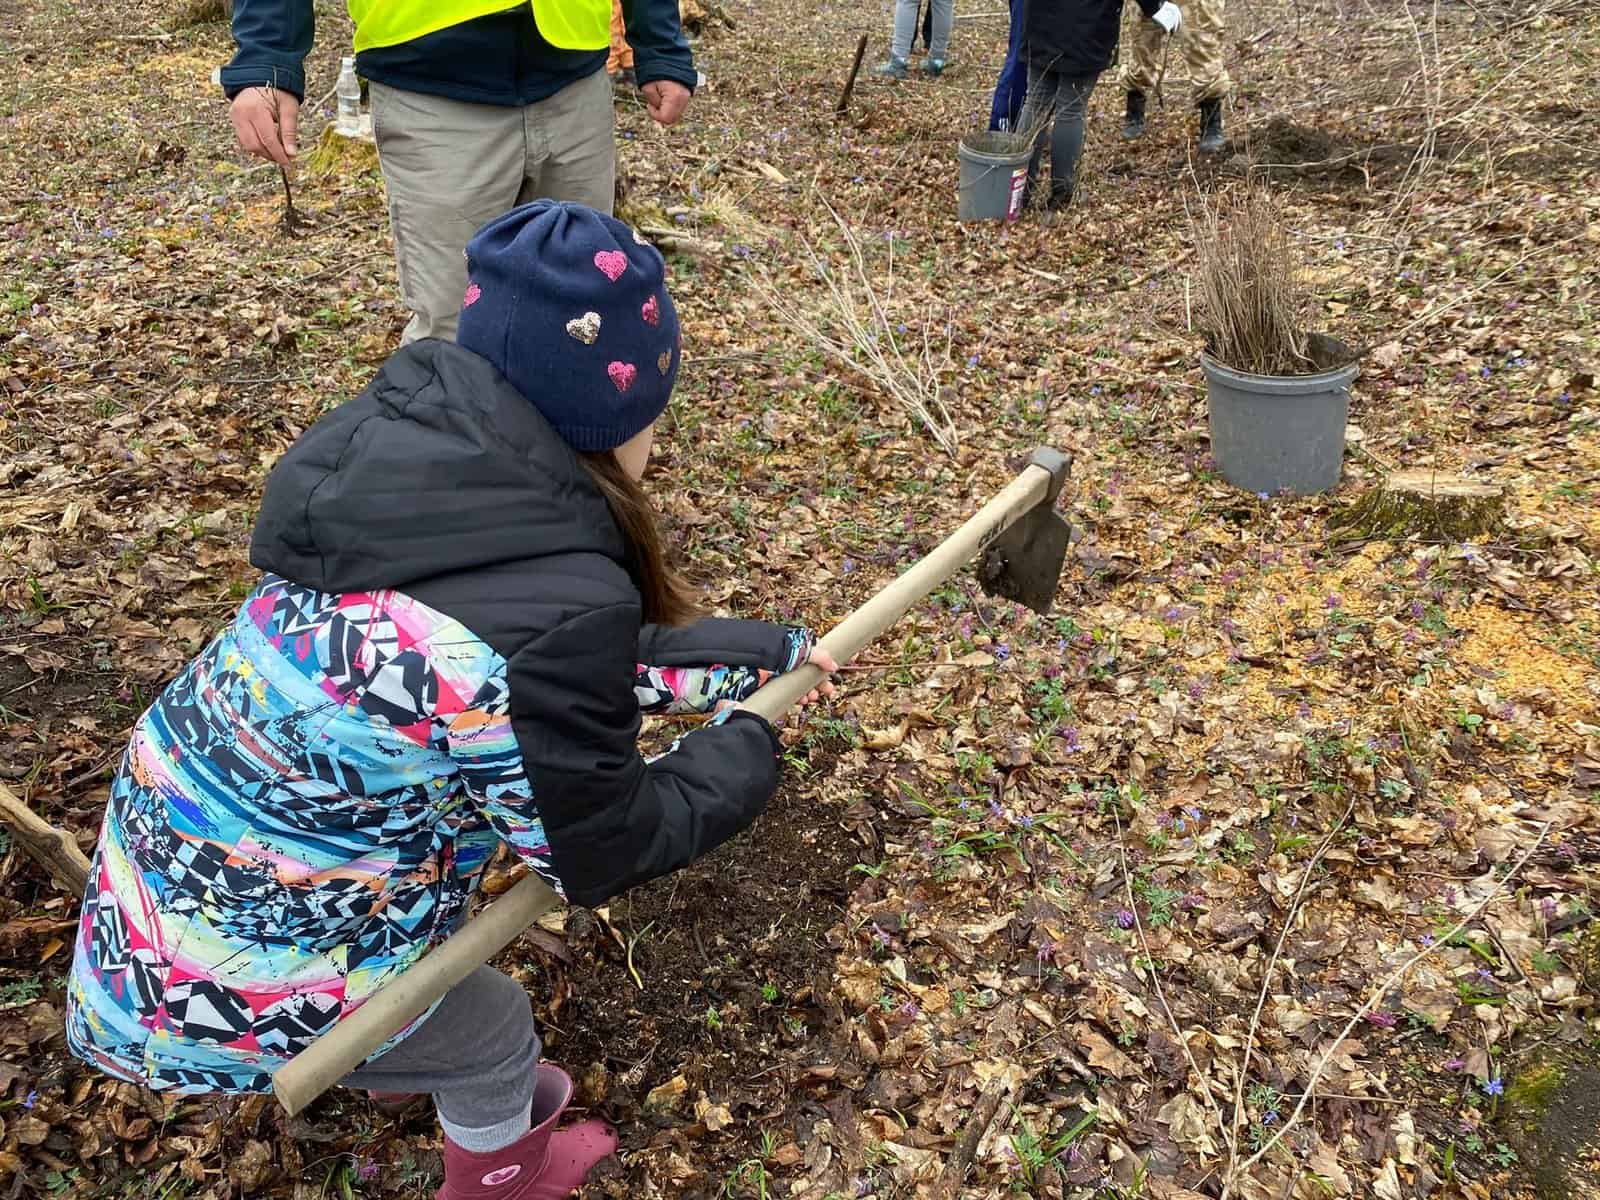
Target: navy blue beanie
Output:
[(570, 305)]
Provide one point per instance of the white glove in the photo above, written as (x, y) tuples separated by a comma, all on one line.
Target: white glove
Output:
[(1169, 16)]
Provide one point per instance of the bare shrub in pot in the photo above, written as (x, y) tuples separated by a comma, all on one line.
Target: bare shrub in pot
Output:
[(1249, 272)]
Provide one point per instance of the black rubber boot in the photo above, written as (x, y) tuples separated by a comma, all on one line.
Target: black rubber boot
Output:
[(1211, 138), (1133, 119)]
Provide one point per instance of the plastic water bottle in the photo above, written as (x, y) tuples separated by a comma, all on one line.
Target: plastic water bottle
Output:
[(348, 91)]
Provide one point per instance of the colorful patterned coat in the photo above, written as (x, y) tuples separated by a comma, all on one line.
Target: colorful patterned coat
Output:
[(309, 805)]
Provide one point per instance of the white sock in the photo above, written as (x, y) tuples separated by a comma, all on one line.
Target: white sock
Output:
[(489, 1138)]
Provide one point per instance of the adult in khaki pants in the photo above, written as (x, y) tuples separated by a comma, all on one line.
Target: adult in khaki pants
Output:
[(477, 106), (1204, 28)]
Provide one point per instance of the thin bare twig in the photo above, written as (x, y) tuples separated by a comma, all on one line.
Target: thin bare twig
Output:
[(854, 329), (1266, 978), (1368, 1005), (1161, 995)]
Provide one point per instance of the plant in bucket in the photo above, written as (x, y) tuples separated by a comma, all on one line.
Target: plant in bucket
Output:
[(1277, 395)]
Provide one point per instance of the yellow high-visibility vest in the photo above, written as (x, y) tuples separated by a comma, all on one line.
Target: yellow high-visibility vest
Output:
[(565, 24)]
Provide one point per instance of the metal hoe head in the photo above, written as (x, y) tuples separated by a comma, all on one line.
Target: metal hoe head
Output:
[(1024, 563)]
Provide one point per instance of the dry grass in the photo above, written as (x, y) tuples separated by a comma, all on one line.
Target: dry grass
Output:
[(1254, 304)]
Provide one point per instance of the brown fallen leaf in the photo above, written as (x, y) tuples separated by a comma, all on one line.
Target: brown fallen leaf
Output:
[(665, 1096), (1102, 1055)]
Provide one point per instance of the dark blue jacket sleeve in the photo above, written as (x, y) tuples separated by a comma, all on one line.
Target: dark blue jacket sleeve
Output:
[(274, 37), (611, 818), (660, 50)]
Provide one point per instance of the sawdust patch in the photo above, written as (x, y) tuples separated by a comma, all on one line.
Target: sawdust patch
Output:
[(1510, 644)]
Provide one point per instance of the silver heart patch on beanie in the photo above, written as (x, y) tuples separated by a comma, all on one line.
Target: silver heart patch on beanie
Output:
[(585, 328)]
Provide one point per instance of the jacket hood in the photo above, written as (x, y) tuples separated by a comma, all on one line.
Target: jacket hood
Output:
[(439, 466)]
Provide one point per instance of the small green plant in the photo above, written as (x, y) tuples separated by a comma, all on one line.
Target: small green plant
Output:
[(1504, 1154), (958, 1003), (713, 1018), (1159, 899), (21, 991), (1034, 1153), (836, 730), (1051, 705), (975, 765), (770, 993), (749, 1178), (1240, 848), (1546, 963)]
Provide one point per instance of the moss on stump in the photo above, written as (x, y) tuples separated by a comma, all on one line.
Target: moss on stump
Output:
[(1423, 504), (339, 154)]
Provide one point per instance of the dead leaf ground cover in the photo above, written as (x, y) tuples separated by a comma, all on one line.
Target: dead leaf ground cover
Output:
[(1051, 856)]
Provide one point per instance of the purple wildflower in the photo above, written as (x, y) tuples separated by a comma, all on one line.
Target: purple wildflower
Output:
[(1494, 1087), (1125, 918), (1455, 1064), (1384, 1020)]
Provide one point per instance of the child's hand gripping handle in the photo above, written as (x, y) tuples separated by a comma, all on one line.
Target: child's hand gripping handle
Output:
[(357, 1036)]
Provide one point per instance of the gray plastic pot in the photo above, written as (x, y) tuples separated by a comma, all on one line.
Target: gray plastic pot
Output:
[(1272, 433), (994, 175)]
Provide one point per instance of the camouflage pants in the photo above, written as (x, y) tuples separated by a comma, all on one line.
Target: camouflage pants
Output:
[(1201, 40)]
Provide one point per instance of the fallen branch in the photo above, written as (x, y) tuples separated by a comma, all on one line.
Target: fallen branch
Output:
[(1371, 1002), (50, 847), (960, 1160)]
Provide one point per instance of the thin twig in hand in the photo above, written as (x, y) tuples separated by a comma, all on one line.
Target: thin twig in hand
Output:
[(292, 222)]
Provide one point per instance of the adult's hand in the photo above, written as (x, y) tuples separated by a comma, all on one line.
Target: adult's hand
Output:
[(666, 99), (266, 122)]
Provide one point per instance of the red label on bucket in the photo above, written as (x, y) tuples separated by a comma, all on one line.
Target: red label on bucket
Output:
[(1019, 184)]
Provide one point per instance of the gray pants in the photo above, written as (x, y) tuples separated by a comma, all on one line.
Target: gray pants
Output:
[(476, 1054), (449, 167), (1055, 108), (905, 28)]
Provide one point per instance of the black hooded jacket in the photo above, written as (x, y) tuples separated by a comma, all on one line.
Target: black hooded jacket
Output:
[(442, 482), (1075, 37)]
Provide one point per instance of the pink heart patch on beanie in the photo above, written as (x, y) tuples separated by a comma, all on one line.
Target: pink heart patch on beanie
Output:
[(471, 298), (622, 374), (612, 263), (651, 312)]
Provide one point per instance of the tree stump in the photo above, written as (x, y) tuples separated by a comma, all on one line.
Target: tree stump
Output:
[(339, 154), (1424, 503)]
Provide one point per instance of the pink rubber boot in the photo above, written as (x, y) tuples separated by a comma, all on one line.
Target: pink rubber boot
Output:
[(546, 1163)]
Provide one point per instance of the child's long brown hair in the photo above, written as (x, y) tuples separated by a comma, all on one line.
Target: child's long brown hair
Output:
[(668, 598)]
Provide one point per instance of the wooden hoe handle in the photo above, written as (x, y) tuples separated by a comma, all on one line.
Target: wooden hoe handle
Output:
[(353, 1040)]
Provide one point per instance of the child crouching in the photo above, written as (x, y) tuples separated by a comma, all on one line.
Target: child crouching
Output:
[(464, 608)]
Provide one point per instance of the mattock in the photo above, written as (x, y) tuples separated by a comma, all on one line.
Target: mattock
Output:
[(1023, 541)]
